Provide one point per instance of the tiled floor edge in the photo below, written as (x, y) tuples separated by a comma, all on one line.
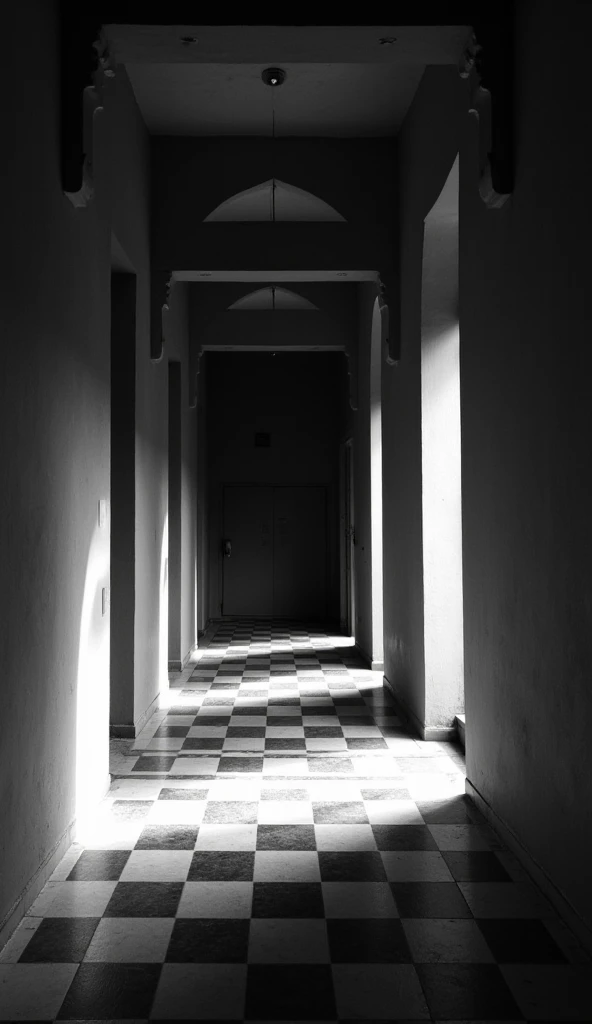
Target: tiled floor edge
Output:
[(35, 884), (536, 872)]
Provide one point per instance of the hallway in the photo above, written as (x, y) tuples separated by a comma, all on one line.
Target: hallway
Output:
[(276, 846)]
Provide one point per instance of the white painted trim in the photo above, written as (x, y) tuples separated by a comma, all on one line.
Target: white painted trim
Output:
[(539, 876)]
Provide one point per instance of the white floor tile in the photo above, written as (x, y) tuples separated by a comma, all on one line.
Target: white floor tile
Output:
[(130, 940), (33, 991), (157, 866)]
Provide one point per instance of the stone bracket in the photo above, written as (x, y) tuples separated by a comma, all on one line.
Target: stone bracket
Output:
[(85, 67), (160, 291), (487, 63)]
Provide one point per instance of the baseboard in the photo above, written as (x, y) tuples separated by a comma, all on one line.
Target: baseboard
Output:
[(461, 730), (129, 731), (430, 733), (178, 666), (34, 886), (362, 654), (29, 894), (564, 908)]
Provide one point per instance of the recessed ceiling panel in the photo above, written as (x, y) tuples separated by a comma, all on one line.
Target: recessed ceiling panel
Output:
[(273, 298), (274, 200), (333, 100)]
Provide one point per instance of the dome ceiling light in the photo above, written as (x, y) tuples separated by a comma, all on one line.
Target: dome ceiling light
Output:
[(273, 77)]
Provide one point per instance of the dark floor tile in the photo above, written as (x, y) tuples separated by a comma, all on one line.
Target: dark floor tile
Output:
[(296, 992), (231, 812), (284, 702), (451, 811), (183, 709), (393, 731), (366, 743), (330, 765), (467, 992), (286, 837), (323, 732), (246, 731), (203, 743), (404, 837), (276, 743), (290, 720), (144, 899), (380, 941), (520, 941), (241, 764), (60, 940), (214, 721), (110, 992), (222, 866), (336, 812), (183, 794), (319, 710), (356, 719), (176, 731), (154, 763), (167, 837), (288, 899), (205, 940), (240, 710), (99, 866), (475, 866), (359, 866), (429, 899), (348, 702), (400, 793)]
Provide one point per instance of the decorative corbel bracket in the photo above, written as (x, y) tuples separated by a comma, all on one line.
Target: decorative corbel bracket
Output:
[(388, 344), (487, 64), (86, 67), (160, 292)]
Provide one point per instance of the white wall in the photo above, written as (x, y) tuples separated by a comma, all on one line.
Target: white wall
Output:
[(441, 464)]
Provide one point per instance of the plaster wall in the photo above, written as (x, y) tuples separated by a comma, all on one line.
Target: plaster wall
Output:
[(294, 397), (176, 331), (441, 463), (55, 431), (527, 494), (362, 478), (130, 216)]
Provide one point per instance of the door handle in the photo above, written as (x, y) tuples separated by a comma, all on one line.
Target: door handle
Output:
[(226, 548)]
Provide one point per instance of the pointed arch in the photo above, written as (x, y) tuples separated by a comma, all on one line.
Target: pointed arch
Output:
[(273, 200), (272, 298)]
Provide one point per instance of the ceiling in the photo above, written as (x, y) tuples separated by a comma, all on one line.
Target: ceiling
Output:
[(341, 81), (331, 100)]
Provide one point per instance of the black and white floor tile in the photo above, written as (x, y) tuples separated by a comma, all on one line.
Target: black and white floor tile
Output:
[(276, 847)]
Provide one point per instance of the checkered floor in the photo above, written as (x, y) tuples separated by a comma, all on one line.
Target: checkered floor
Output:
[(275, 847)]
